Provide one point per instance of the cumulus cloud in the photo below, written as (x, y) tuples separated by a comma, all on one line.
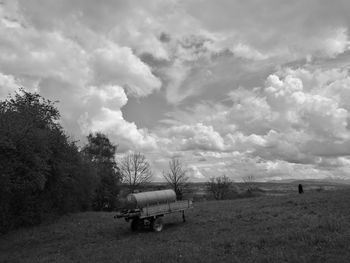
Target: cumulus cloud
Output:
[(88, 78), (307, 107), (8, 85), (105, 115), (295, 120), (197, 136), (254, 87), (118, 65), (125, 133), (284, 33), (195, 174), (28, 52)]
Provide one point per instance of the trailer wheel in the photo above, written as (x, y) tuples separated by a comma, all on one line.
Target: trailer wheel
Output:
[(136, 224), (157, 224)]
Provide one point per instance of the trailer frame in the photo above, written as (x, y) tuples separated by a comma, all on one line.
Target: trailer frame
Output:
[(151, 215)]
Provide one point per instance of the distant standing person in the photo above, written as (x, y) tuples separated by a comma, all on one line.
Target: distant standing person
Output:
[(300, 188)]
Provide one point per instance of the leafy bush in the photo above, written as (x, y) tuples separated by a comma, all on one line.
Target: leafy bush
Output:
[(41, 170)]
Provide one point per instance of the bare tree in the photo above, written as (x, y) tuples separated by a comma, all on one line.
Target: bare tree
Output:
[(135, 170), (219, 186), (249, 182), (176, 177)]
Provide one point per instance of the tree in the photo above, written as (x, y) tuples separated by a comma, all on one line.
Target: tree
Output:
[(135, 170), (100, 151), (176, 177), (26, 124), (219, 186), (249, 182), (41, 170)]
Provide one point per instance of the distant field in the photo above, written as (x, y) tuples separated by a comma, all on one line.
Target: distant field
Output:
[(314, 227), (197, 191)]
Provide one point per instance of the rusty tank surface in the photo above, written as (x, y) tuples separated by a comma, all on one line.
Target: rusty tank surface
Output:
[(140, 200)]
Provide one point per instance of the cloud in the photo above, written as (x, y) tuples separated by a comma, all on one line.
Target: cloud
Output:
[(118, 65), (197, 136), (111, 96), (126, 134), (254, 87), (104, 115), (290, 29), (28, 52), (77, 65), (194, 174), (8, 85), (279, 34), (244, 51), (296, 119)]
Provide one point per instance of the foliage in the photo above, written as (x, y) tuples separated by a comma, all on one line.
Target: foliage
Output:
[(219, 186), (135, 170), (100, 152), (249, 182), (176, 177), (41, 171)]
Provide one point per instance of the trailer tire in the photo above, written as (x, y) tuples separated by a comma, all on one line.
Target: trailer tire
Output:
[(157, 224), (136, 224)]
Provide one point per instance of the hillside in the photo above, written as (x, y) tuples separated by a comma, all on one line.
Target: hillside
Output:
[(314, 227)]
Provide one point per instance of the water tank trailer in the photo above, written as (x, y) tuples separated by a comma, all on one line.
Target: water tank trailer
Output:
[(148, 208)]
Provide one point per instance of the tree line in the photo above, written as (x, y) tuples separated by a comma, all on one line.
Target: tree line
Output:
[(43, 172)]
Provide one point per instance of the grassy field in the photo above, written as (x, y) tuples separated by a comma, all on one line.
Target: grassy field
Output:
[(313, 227)]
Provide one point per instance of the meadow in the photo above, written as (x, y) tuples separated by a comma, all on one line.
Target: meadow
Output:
[(312, 227)]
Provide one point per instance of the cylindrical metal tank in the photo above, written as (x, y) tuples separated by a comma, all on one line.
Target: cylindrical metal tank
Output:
[(150, 198)]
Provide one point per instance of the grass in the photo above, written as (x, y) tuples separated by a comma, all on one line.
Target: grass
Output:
[(313, 227)]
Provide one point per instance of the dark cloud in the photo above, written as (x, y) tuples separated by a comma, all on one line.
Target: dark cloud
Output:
[(164, 37)]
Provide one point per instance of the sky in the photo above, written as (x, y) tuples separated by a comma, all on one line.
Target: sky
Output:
[(230, 87)]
